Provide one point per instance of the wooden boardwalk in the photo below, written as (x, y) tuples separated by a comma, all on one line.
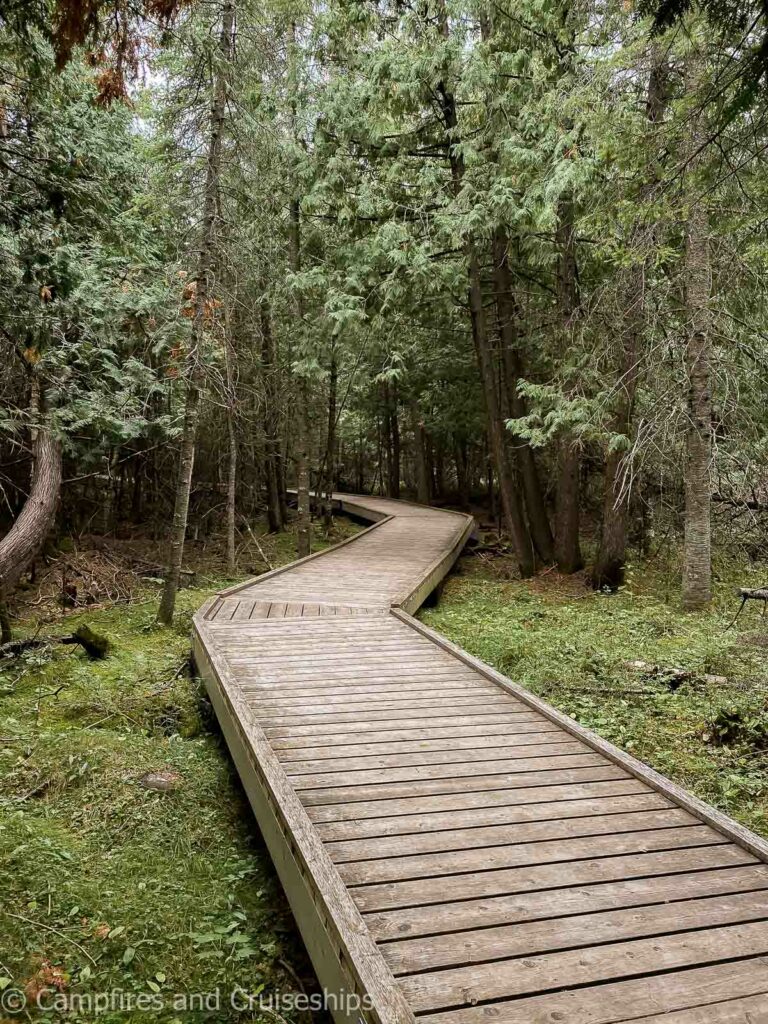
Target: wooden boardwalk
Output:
[(454, 850)]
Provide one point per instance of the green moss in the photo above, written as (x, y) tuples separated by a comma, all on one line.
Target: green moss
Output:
[(573, 646), (118, 886)]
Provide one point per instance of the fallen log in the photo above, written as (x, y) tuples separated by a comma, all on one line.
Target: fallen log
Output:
[(750, 594)]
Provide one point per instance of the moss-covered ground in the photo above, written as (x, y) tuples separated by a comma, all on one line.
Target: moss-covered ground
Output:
[(706, 728), (106, 886)]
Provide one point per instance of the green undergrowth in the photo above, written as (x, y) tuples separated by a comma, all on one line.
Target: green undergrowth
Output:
[(697, 710), (108, 886)]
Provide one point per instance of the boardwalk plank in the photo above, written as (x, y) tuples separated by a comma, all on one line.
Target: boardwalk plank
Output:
[(501, 835), (491, 944), (410, 925), (435, 823), (517, 854), (627, 1000), (423, 892), (571, 969)]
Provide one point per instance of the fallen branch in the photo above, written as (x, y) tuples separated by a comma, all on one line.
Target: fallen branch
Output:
[(673, 676), (172, 680), (750, 594), (48, 928), (259, 548)]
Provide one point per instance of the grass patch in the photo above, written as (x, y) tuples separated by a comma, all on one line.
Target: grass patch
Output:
[(107, 885), (573, 647)]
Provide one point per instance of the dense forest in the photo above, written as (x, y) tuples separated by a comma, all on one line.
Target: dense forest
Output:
[(504, 257), (461, 253)]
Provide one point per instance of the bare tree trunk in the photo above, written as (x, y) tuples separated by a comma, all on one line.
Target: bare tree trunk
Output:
[(462, 472), (109, 492), (697, 561), (27, 535), (419, 455), (231, 494), (304, 508), (194, 363), (275, 518), (538, 520), (508, 493), (330, 447), (393, 432), (567, 502), (608, 570), (229, 359)]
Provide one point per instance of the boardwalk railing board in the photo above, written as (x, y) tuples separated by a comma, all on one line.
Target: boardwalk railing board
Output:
[(452, 847)]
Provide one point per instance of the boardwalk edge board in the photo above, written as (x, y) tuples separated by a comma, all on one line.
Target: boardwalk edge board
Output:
[(326, 635)]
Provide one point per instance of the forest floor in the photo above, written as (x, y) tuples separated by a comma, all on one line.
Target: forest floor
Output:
[(109, 887), (696, 709)]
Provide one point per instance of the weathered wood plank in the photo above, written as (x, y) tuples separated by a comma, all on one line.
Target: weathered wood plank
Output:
[(411, 924), (501, 835), (514, 940), (423, 892), (375, 778), (421, 806), (636, 798), (491, 730), (625, 1000), (540, 775), (391, 869), (468, 985), (551, 746)]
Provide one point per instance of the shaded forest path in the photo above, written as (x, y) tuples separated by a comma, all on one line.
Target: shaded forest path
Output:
[(453, 849)]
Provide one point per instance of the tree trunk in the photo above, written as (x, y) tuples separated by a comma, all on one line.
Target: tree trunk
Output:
[(194, 362), (303, 507), (567, 550), (330, 447), (608, 570), (419, 455), (303, 503), (231, 494), (538, 520), (231, 412), (394, 434), (275, 519), (508, 494), (27, 535), (567, 502), (510, 499), (697, 560), (462, 473)]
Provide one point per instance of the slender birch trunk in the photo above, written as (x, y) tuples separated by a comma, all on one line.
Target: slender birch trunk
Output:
[(195, 371), (697, 558)]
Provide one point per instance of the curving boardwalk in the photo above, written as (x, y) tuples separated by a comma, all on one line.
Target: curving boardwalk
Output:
[(454, 850)]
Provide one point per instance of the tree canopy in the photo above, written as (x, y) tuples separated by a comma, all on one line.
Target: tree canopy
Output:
[(509, 256)]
